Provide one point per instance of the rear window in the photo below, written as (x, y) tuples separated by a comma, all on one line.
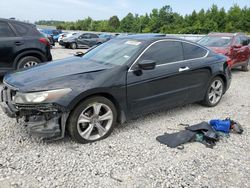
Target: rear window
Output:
[(5, 30), (25, 29), (192, 51)]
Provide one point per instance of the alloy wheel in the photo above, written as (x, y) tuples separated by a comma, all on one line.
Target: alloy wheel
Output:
[(29, 64), (215, 91), (95, 121)]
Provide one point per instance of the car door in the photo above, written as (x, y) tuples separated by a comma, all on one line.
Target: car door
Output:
[(245, 48), (164, 86), (199, 65), (94, 39), (237, 51), (9, 43), (84, 40)]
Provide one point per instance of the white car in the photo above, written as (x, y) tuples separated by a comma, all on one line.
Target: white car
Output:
[(66, 35)]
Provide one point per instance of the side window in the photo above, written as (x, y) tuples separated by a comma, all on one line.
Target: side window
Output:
[(237, 40), (94, 36), (22, 29), (164, 52), (25, 29), (244, 40), (192, 51), (55, 32), (5, 30), (85, 36)]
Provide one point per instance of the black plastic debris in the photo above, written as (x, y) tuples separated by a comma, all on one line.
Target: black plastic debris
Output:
[(205, 133)]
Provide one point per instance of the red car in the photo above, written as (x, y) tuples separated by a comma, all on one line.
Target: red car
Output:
[(234, 45)]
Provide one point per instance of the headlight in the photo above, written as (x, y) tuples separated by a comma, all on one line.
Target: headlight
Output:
[(38, 97)]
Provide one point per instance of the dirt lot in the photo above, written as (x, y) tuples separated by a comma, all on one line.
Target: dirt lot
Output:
[(131, 157), (59, 52)]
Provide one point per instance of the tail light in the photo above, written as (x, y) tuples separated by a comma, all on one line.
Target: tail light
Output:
[(44, 41)]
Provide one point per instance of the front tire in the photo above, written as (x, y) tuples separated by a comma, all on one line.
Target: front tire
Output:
[(214, 92), (27, 62), (73, 46), (92, 120)]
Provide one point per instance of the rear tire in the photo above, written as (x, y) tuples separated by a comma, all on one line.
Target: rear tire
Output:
[(214, 92), (92, 120), (246, 67), (73, 45), (27, 62)]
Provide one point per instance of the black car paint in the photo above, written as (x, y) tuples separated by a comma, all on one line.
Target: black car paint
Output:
[(16, 47), (132, 93)]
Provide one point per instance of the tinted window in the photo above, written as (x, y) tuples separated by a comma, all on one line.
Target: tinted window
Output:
[(55, 32), (25, 29), (85, 36), (164, 52), (94, 36), (21, 28), (5, 30), (244, 40), (192, 51)]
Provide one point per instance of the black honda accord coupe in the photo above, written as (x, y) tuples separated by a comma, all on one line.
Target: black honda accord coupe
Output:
[(88, 95)]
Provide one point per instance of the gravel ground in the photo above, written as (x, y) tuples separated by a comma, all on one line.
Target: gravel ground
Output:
[(131, 157)]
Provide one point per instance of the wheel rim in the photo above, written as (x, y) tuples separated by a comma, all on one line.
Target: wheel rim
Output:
[(74, 46), (95, 121), (215, 91), (30, 64)]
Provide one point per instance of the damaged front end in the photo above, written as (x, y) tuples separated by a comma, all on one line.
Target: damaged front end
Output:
[(45, 120)]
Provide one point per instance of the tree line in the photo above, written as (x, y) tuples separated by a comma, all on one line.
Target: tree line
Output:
[(165, 20)]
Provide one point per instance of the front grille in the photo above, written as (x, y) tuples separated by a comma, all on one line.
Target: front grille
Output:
[(37, 107)]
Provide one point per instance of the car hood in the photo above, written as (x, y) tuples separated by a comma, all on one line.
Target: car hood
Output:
[(219, 50), (56, 70)]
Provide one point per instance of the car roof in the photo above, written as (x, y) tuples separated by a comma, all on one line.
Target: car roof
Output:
[(225, 34), (12, 20), (152, 37)]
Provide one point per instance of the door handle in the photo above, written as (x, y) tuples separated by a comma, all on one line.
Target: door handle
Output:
[(18, 43), (183, 69)]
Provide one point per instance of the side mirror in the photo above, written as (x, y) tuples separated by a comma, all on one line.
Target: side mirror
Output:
[(147, 64), (237, 46)]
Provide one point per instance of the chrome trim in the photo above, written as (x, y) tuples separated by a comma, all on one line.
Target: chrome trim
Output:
[(172, 40), (184, 69)]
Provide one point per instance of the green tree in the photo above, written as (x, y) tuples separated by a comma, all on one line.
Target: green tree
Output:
[(127, 23), (114, 23)]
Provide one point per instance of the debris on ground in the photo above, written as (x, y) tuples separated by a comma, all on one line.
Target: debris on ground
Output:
[(207, 133)]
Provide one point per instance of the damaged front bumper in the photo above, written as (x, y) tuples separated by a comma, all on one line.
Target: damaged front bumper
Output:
[(47, 121)]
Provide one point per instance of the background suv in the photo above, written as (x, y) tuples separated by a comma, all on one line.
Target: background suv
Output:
[(21, 45), (83, 40), (235, 46)]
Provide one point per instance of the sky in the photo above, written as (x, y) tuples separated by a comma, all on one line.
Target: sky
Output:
[(71, 10)]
